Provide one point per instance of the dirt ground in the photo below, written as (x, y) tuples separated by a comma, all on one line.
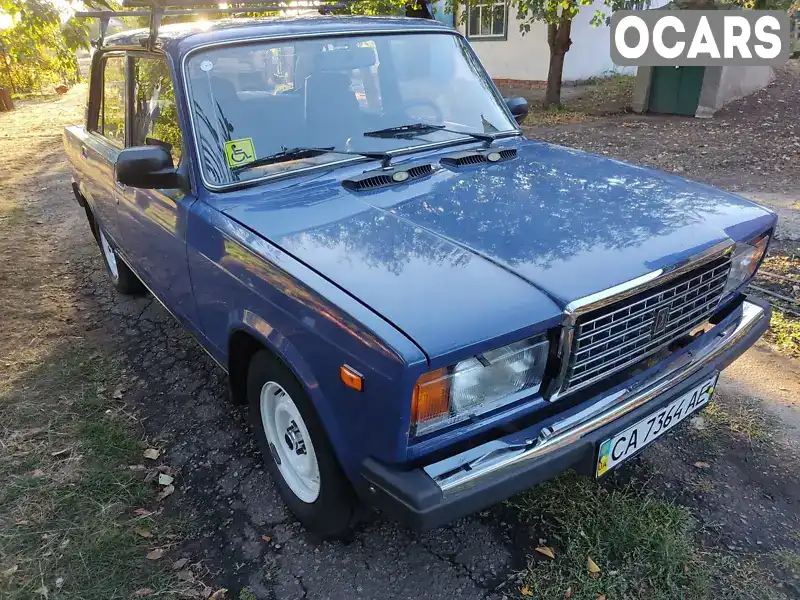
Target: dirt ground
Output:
[(735, 468)]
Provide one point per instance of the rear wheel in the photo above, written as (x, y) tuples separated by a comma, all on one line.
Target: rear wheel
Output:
[(296, 450), (124, 280)]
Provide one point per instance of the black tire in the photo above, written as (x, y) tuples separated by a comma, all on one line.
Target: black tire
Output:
[(334, 513), (124, 280)]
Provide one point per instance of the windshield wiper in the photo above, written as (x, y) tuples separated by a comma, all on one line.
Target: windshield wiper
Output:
[(289, 154), (415, 129)]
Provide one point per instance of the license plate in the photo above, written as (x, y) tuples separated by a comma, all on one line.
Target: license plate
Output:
[(625, 444)]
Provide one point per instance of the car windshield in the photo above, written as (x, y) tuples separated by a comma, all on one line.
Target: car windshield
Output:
[(258, 100)]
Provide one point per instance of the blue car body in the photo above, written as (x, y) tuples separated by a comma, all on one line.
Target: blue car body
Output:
[(403, 280)]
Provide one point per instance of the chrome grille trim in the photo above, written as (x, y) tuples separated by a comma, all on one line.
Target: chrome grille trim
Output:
[(644, 311), (621, 334)]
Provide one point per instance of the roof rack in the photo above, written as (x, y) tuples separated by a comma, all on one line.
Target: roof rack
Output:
[(155, 10)]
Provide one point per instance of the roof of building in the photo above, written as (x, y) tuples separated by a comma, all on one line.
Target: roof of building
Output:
[(185, 36)]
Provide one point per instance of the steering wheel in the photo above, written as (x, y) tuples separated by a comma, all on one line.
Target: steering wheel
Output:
[(434, 117)]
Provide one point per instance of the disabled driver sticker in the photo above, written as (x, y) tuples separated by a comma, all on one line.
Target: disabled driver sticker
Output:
[(239, 152)]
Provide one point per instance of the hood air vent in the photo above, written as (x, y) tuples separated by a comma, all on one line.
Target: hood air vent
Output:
[(373, 180), (473, 157)]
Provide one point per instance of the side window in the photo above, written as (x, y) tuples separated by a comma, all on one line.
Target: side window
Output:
[(155, 114), (111, 119)]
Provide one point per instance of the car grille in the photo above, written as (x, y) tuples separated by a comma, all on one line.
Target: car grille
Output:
[(613, 337)]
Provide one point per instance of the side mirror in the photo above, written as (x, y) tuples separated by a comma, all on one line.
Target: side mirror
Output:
[(518, 107), (147, 167)]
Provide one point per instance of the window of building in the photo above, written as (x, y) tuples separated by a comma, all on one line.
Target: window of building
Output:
[(487, 20)]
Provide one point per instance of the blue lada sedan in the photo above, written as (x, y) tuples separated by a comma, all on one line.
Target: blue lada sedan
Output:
[(426, 311)]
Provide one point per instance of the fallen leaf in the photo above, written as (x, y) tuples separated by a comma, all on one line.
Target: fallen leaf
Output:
[(136, 467), (219, 594), (60, 452), (166, 492), (59, 582), (42, 591), (165, 479), (142, 532), (32, 433), (142, 512), (179, 564), (266, 538), (591, 566), (38, 473), (142, 592), (155, 554), (9, 572), (546, 550), (206, 593), (118, 393), (600, 597), (164, 469), (151, 453), (526, 591), (185, 575), (702, 465), (21, 522), (568, 593)]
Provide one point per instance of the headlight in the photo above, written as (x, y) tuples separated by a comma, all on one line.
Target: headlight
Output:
[(745, 260), (475, 385)]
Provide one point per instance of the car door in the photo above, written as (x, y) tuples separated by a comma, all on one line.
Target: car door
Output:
[(106, 138), (153, 222)]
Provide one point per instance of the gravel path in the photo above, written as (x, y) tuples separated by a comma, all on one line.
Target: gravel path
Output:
[(223, 493)]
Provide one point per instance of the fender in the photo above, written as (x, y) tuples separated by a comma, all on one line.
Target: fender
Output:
[(279, 345)]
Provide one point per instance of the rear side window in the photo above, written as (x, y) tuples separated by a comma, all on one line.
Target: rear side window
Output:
[(155, 114), (111, 120)]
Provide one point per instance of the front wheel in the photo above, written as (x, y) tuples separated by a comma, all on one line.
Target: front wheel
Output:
[(124, 280), (296, 450)]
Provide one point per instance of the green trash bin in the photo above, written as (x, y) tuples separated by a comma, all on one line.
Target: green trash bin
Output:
[(675, 90)]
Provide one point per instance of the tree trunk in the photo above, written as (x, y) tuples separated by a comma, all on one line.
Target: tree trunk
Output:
[(4, 58), (5, 100), (559, 42)]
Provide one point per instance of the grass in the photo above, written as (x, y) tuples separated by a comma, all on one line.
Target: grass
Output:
[(784, 333), (601, 96), (742, 416), (67, 499), (644, 547), (246, 594), (783, 260)]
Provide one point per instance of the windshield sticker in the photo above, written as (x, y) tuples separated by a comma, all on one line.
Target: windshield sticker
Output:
[(239, 152), (206, 65)]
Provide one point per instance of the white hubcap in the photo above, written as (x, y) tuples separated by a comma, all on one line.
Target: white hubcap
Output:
[(289, 442), (108, 252)]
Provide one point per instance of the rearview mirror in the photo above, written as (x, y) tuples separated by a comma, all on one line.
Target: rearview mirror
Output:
[(518, 107), (148, 167)]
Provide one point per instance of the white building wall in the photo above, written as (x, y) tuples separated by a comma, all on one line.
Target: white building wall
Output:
[(527, 57), (518, 57)]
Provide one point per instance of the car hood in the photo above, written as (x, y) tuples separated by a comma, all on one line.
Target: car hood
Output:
[(463, 253)]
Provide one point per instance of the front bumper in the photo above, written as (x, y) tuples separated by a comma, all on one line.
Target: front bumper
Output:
[(440, 492)]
